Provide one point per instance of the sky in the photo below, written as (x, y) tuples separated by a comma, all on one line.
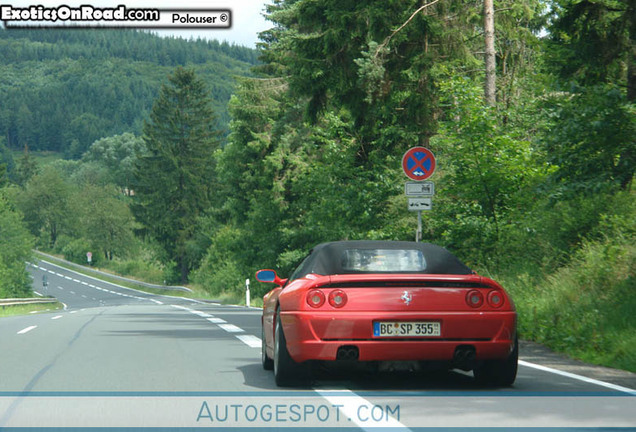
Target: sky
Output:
[(247, 19)]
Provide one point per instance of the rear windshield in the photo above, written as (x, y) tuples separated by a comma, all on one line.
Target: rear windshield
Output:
[(383, 260)]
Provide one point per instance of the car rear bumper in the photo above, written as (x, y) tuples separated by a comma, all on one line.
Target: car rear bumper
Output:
[(317, 336)]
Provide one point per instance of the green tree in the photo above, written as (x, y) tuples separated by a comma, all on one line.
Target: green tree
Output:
[(15, 249), (487, 167), (105, 219), (45, 204), (7, 165), (175, 176), (591, 139), (595, 42), (3, 175), (118, 154), (27, 167)]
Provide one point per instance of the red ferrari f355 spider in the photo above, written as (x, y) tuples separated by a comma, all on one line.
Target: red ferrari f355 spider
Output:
[(385, 301)]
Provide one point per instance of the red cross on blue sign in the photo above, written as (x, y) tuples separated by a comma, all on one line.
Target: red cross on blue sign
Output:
[(418, 163)]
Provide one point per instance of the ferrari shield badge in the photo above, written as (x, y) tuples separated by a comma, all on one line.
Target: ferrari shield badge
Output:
[(406, 296)]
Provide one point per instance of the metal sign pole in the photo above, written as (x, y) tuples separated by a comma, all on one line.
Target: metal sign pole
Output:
[(418, 235)]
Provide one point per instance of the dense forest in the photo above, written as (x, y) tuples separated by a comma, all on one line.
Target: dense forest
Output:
[(535, 153), (62, 90)]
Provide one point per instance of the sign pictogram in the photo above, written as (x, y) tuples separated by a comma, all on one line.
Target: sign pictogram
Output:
[(418, 163), (419, 189), (419, 204)]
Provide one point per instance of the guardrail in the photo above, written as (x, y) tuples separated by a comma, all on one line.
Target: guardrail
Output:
[(24, 301), (110, 275)]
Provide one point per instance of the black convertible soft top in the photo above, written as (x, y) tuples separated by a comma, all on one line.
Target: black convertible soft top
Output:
[(332, 258)]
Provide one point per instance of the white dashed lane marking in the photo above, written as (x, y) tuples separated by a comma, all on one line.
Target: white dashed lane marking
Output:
[(231, 328), (26, 330), (56, 317), (249, 340)]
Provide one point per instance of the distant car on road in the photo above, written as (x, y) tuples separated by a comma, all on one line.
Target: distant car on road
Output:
[(385, 301)]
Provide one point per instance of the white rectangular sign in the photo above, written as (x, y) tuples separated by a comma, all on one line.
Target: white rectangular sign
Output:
[(418, 189), (418, 204)]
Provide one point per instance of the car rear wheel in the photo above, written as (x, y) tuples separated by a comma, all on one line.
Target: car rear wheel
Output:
[(500, 373), (286, 371), (268, 363)]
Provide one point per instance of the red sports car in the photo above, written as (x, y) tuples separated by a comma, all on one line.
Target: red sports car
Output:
[(385, 301)]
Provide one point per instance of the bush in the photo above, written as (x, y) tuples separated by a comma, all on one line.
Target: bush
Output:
[(586, 307), (75, 251), (148, 271)]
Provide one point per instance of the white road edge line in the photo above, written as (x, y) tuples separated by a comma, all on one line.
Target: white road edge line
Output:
[(114, 284), (578, 377), (349, 404), (26, 330)]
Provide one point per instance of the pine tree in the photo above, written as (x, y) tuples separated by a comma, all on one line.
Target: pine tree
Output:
[(175, 172), (27, 168)]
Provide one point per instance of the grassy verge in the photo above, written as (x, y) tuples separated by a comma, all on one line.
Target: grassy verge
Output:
[(27, 309), (585, 309)]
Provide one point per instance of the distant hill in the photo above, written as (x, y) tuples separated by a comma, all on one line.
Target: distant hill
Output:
[(61, 90)]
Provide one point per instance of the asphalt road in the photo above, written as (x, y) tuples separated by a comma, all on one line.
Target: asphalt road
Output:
[(118, 358)]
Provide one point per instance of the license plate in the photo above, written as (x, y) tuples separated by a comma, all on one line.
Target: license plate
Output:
[(406, 329)]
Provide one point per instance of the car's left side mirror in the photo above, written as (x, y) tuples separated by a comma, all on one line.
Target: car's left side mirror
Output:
[(269, 276)]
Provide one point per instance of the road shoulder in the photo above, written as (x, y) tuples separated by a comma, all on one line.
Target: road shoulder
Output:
[(536, 353)]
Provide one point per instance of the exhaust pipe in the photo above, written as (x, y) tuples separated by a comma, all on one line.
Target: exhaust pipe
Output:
[(464, 357), (348, 353)]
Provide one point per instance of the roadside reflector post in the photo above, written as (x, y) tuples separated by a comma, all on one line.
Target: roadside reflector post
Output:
[(247, 292)]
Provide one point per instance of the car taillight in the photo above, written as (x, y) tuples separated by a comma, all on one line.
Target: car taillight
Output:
[(495, 299), (315, 298), (475, 298), (337, 298)]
